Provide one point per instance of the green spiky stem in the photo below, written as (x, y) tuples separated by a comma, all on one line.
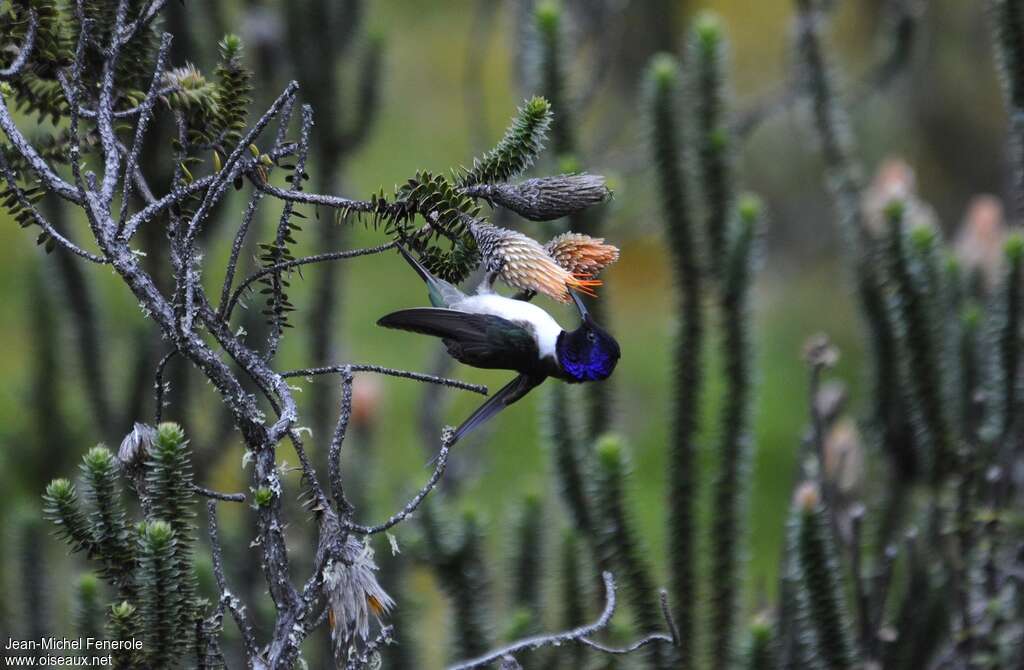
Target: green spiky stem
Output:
[(734, 447), (714, 142), (108, 526), (818, 570), (663, 79), (760, 651), (161, 601), (915, 316), (619, 545), (517, 150)]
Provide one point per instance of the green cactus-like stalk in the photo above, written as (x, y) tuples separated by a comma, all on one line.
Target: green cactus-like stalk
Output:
[(568, 457), (88, 610), (1005, 360), (667, 148), (573, 595), (845, 183), (922, 614), (529, 555), (62, 507), (172, 499), (734, 447), (707, 53), (458, 558), (107, 521), (618, 542), (233, 93), (760, 647), (517, 150), (548, 21), (123, 626), (161, 599), (920, 327), (550, 29), (1007, 20), (820, 579)]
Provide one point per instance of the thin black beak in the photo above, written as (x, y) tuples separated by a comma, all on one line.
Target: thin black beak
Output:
[(579, 305)]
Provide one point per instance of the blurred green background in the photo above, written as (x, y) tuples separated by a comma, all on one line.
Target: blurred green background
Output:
[(452, 74)]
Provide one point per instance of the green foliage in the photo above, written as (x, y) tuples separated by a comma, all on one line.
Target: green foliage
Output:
[(108, 526), (733, 450), (714, 142), (517, 150), (161, 601), (457, 555), (149, 563), (62, 507), (914, 312), (263, 496), (123, 625), (618, 542), (528, 554), (663, 83), (548, 20), (88, 610), (760, 647), (233, 92), (1005, 341), (820, 577), (449, 212)]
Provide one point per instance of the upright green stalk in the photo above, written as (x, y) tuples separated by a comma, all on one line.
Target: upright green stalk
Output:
[(714, 165), (552, 80), (733, 450), (1007, 18), (819, 571), (1008, 315), (88, 610), (163, 639), (573, 610), (457, 555), (920, 337), (527, 570), (619, 545), (844, 180), (760, 652), (667, 149)]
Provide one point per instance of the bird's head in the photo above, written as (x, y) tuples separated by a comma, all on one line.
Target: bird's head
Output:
[(588, 353)]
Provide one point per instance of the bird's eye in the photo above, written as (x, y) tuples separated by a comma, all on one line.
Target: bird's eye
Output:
[(592, 337)]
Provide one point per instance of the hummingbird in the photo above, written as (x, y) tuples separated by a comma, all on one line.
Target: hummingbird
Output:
[(491, 331)]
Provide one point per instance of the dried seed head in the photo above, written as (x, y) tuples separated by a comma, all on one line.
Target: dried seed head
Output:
[(546, 198), (523, 263), (844, 457), (582, 254), (895, 181), (830, 400), (820, 352), (135, 444), (979, 244), (807, 496), (353, 593)]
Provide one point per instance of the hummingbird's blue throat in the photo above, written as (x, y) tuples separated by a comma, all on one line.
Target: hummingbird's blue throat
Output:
[(591, 363)]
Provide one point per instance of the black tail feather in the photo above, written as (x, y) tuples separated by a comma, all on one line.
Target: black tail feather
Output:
[(510, 393)]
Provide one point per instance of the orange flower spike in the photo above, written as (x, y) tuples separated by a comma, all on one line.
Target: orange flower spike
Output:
[(582, 255), (523, 263)]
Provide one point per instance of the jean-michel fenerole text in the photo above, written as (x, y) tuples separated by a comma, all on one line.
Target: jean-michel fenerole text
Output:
[(70, 644)]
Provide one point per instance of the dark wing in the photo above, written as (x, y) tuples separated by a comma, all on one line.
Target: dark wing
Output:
[(508, 394), (480, 340)]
